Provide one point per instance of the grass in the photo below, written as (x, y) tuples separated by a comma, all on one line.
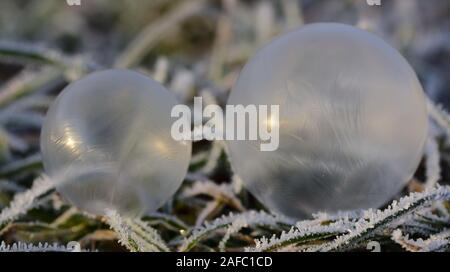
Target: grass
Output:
[(194, 48)]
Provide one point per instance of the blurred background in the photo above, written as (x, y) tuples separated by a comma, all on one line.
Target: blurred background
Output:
[(194, 47), (203, 43)]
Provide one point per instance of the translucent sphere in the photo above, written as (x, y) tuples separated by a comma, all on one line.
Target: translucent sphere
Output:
[(106, 141), (352, 121)]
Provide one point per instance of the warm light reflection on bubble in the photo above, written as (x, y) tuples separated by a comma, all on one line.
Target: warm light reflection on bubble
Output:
[(271, 123)]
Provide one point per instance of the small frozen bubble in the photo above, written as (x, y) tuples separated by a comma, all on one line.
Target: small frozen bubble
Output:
[(352, 121), (108, 135)]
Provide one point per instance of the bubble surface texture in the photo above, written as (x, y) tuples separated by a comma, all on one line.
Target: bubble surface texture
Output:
[(352, 121), (108, 136)]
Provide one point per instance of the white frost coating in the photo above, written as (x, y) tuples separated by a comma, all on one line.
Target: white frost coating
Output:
[(41, 247), (135, 235), (223, 192), (123, 231), (432, 167), (250, 218), (298, 234), (352, 124), (148, 233), (116, 123), (437, 242), (235, 227), (405, 242), (440, 115), (25, 201), (373, 220)]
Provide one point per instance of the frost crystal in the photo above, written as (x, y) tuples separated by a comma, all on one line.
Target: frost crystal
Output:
[(135, 234), (23, 202), (374, 220), (251, 218), (440, 115), (432, 168), (437, 242), (41, 247), (300, 235)]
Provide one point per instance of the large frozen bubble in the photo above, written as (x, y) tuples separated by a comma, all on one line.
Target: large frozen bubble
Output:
[(106, 142), (352, 121)]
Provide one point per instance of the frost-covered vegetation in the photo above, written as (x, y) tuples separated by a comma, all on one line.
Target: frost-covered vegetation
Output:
[(197, 48)]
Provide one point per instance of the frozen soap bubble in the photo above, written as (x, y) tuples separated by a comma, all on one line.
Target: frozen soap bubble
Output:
[(108, 137), (352, 122)]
